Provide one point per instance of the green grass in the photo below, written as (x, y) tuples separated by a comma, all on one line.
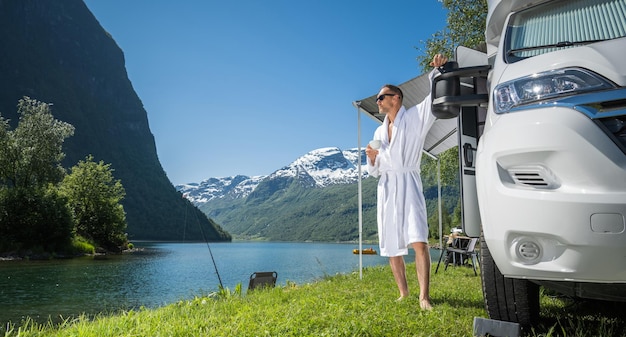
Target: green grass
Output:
[(80, 246), (341, 305)]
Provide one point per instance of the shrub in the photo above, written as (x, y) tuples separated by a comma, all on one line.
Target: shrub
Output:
[(35, 217), (80, 246)]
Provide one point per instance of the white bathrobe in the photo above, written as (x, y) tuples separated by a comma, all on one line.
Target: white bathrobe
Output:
[(401, 206)]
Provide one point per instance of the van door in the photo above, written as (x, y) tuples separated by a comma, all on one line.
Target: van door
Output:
[(470, 126)]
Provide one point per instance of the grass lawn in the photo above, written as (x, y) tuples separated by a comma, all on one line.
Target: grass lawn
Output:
[(340, 305)]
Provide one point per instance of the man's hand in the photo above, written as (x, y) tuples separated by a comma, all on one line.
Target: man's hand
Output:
[(371, 154), (438, 61)]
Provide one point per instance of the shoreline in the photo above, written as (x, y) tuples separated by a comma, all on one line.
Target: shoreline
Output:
[(5, 257)]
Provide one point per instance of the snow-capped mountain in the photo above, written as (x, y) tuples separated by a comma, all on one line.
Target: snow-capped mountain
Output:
[(223, 188), (318, 168)]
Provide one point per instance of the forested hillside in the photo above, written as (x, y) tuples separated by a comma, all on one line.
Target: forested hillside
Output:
[(289, 209)]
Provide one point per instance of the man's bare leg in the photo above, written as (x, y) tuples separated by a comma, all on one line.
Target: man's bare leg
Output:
[(399, 274), (422, 268)]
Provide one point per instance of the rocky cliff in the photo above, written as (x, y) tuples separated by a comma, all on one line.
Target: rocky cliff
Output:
[(57, 52)]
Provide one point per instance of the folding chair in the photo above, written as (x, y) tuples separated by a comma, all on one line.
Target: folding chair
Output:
[(262, 279), (469, 252)]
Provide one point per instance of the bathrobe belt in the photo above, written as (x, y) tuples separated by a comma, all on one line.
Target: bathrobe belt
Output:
[(401, 170)]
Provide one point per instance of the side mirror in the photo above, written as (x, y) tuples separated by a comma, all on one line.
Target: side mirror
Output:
[(446, 87), (446, 90)]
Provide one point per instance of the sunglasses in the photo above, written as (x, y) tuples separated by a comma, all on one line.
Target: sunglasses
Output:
[(382, 97)]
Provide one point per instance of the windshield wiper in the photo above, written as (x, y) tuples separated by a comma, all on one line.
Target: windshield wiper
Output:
[(561, 44)]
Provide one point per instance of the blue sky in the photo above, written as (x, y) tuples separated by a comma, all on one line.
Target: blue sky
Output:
[(247, 86)]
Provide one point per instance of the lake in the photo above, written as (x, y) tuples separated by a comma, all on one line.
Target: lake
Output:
[(162, 273)]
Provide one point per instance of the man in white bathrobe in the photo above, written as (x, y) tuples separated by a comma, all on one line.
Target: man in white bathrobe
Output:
[(401, 206)]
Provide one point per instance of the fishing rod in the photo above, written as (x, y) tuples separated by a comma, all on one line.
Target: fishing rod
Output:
[(210, 252), (207, 243)]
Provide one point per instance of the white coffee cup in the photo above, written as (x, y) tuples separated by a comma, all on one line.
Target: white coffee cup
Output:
[(375, 144)]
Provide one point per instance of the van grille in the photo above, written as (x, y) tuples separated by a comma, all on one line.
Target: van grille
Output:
[(534, 177), (530, 179)]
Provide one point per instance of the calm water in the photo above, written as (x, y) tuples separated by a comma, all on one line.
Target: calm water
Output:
[(160, 274)]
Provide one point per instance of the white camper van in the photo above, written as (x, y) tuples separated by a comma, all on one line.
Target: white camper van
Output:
[(542, 131)]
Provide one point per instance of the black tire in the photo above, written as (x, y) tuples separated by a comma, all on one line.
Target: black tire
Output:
[(507, 299)]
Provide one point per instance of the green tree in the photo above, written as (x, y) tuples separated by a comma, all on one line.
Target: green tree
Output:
[(32, 213), (31, 154), (5, 152), (34, 219), (94, 197), (433, 230), (466, 27), (449, 166)]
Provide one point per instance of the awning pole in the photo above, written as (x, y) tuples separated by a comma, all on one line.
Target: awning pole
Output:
[(358, 113), (439, 201)]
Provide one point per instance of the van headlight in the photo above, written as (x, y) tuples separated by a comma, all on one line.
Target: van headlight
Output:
[(546, 85)]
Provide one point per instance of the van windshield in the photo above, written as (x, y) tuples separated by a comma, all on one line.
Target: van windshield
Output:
[(563, 24)]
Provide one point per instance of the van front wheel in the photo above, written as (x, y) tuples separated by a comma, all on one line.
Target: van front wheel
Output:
[(507, 299)]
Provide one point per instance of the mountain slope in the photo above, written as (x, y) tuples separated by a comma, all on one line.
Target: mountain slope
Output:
[(57, 52), (288, 211), (314, 198)]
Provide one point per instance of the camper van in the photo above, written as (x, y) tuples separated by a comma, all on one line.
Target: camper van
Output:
[(542, 149)]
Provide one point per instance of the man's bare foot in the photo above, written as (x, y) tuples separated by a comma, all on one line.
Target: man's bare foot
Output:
[(401, 298), (425, 304)]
